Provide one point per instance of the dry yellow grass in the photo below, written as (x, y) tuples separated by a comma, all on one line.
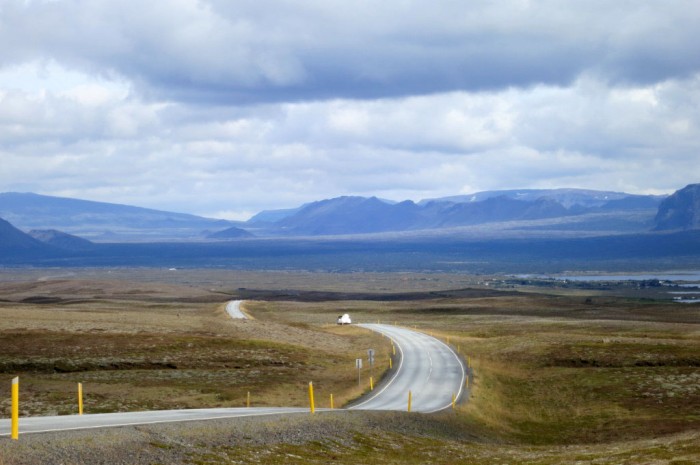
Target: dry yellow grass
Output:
[(558, 378), (139, 346)]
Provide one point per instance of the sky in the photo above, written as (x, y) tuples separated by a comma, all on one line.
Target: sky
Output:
[(224, 108)]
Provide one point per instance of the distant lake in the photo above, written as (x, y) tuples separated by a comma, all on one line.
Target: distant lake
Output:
[(683, 297), (675, 276)]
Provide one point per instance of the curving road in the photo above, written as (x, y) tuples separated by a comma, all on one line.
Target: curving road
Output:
[(430, 369), (233, 308), (427, 367)]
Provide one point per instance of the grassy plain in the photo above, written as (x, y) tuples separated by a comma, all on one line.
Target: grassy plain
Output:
[(562, 375), (146, 346)]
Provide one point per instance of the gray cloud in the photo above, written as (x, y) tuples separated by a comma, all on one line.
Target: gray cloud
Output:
[(245, 52)]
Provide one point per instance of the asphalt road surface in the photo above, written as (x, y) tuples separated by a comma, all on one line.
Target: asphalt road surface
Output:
[(234, 310), (430, 369), (103, 420), (427, 367)]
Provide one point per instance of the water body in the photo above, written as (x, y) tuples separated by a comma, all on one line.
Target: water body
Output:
[(679, 276), (685, 280)]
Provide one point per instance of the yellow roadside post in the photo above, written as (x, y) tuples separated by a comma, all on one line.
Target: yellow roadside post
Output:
[(393, 348), (332, 405), (390, 363), (311, 398), (371, 384), (15, 408), (80, 398), (409, 401)]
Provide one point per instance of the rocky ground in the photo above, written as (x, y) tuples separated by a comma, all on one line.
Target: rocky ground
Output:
[(334, 437)]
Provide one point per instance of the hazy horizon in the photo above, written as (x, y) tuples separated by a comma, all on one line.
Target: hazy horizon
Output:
[(416, 201)]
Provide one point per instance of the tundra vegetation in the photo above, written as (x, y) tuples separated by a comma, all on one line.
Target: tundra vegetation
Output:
[(562, 374)]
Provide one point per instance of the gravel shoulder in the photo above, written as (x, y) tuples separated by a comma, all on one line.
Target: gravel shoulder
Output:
[(342, 437), (184, 443)]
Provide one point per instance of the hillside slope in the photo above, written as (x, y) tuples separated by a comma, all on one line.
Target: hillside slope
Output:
[(681, 210), (14, 242), (100, 220)]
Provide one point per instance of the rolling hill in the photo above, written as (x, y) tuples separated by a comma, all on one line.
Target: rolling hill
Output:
[(61, 240)]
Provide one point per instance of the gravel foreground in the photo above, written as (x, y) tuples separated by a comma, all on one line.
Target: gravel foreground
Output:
[(342, 438), (215, 441)]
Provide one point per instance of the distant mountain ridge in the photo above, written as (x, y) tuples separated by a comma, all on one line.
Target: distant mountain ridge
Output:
[(13, 241), (101, 220), (567, 197), (553, 211), (61, 240), (500, 232), (362, 215), (681, 210)]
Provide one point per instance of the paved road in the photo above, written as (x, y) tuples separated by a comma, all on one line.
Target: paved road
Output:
[(428, 368), (234, 310), (102, 420)]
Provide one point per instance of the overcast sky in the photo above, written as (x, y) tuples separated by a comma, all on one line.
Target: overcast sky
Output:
[(227, 107)]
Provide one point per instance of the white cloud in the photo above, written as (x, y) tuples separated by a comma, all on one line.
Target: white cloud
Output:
[(125, 150), (228, 108)]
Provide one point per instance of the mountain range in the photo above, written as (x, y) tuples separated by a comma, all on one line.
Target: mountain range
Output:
[(571, 209), (540, 231), (512, 212)]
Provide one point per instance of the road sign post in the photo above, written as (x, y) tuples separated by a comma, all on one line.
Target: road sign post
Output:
[(358, 364)]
